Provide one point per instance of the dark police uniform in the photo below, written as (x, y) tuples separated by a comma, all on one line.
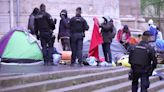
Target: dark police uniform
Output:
[(143, 62), (108, 33), (78, 25), (44, 26)]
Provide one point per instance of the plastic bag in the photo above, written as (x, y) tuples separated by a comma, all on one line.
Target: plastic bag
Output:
[(56, 58), (105, 64), (92, 61)]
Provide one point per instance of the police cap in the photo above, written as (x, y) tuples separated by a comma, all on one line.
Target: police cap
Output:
[(78, 9)]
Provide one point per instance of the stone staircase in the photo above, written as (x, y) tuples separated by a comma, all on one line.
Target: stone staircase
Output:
[(111, 79)]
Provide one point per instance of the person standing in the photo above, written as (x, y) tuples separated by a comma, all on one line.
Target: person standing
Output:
[(143, 62), (78, 26), (153, 30), (108, 33), (44, 26), (32, 20), (64, 31)]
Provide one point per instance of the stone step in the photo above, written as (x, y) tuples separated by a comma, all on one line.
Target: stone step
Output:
[(123, 87), (161, 90), (160, 69), (88, 87), (68, 81), (31, 78), (154, 87), (9, 75), (78, 87)]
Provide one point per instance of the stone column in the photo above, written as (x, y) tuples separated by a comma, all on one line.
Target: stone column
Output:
[(4, 17), (130, 14), (129, 7), (11, 14)]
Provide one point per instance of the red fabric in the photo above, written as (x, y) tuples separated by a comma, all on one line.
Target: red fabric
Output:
[(119, 35), (95, 40)]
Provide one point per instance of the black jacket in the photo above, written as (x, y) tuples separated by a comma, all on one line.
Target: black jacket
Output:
[(44, 22), (64, 28), (142, 55), (78, 24), (108, 32)]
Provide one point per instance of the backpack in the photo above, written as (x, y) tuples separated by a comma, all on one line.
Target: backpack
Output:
[(79, 24), (140, 55)]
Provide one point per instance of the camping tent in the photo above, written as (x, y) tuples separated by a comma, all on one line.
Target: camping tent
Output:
[(117, 50), (20, 46)]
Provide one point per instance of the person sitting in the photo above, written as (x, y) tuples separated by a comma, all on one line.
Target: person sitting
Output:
[(123, 36)]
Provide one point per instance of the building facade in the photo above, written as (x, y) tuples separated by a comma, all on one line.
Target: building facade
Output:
[(16, 12)]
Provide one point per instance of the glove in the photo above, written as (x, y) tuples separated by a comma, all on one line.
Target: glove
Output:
[(58, 38), (150, 71), (55, 21), (130, 77), (37, 36), (53, 38)]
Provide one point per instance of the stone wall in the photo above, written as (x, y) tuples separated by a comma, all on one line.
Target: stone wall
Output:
[(130, 14), (156, 22), (4, 16), (129, 8), (90, 8)]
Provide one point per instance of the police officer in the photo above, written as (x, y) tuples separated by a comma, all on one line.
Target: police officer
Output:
[(108, 33), (143, 62), (44, 26), (64, 31), (78, 25)]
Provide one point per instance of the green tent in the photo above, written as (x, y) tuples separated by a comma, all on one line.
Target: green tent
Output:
[(17, 47)]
